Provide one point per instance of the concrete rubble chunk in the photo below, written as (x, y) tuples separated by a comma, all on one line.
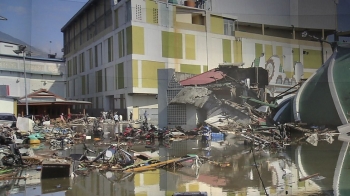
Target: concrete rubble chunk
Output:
[(196, 96)]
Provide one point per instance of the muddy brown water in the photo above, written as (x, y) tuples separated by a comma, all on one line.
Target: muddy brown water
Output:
[(278, 172)]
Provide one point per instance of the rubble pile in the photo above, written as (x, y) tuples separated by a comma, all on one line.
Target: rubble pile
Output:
[(262, 142), (82, 121), (116, 158)]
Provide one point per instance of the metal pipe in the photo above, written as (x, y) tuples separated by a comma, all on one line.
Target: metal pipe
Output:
[(321, 41), (25, 82)]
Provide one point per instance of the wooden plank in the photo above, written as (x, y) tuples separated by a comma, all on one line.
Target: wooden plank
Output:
[(153, 166)]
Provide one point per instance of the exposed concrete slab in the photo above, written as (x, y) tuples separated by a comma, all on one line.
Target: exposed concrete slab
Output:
[(196, 96), (219, 122)]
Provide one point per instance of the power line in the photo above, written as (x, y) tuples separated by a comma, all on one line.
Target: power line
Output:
[(257, 169)]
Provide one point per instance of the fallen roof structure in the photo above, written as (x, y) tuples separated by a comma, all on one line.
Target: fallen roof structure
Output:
[(218, 92), (208, 77)]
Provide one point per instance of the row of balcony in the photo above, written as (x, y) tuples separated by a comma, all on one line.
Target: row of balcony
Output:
[(200, 4)]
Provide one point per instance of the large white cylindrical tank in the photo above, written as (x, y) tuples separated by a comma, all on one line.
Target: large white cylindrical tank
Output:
[(299, 71)]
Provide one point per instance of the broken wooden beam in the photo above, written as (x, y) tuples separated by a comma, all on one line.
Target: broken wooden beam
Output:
[(152, 166), (12, 178), (308, 177), (159, 164)]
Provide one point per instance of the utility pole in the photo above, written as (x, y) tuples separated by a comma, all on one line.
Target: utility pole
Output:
[(20, 50)]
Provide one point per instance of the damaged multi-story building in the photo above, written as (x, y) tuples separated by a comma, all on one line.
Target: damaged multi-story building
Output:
[(114, 48)]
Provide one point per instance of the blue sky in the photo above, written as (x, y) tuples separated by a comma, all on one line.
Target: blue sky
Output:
[(37, 22)]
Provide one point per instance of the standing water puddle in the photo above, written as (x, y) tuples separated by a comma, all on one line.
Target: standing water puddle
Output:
[(230, 171)]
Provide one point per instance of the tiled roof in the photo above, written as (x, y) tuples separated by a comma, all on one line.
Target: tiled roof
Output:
[(204, 78)]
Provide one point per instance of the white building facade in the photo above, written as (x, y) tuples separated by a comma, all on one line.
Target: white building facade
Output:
[(40, 72)]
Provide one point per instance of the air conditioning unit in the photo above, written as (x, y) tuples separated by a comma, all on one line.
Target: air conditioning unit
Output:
[(62, 50)]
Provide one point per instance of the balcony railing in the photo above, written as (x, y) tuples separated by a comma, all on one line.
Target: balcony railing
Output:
[(200, 4)]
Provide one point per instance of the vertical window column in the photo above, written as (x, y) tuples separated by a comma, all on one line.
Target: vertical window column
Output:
[(110, 49)]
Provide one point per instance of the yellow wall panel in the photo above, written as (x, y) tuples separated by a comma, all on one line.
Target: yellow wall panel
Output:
[(151, 12), (268, 51), (217, 25), (171, 45), (129, 40), (190, 50), (312, 59), (135, 43), (279, 53), (192, 69), (150, 73), (226, 50), (138, 40), (258, 50), (15, 108), (307, 75), (289, 74), (237, 49), (205, 68), (296, 55), (135, 73), (121, 43), (98, 81)]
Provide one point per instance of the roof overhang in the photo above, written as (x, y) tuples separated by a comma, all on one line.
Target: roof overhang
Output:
[(68, 102), (228, 16)]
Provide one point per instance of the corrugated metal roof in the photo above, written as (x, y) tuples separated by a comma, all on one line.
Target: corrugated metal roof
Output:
[(204, 78)]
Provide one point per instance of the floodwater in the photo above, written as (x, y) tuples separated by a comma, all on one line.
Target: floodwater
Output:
[(275, 172)]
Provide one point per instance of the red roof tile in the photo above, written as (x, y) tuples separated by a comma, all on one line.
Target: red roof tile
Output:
[(204, 78)]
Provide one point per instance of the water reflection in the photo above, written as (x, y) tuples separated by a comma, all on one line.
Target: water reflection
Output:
[(342, 172), (57, 187), (280, 171)]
